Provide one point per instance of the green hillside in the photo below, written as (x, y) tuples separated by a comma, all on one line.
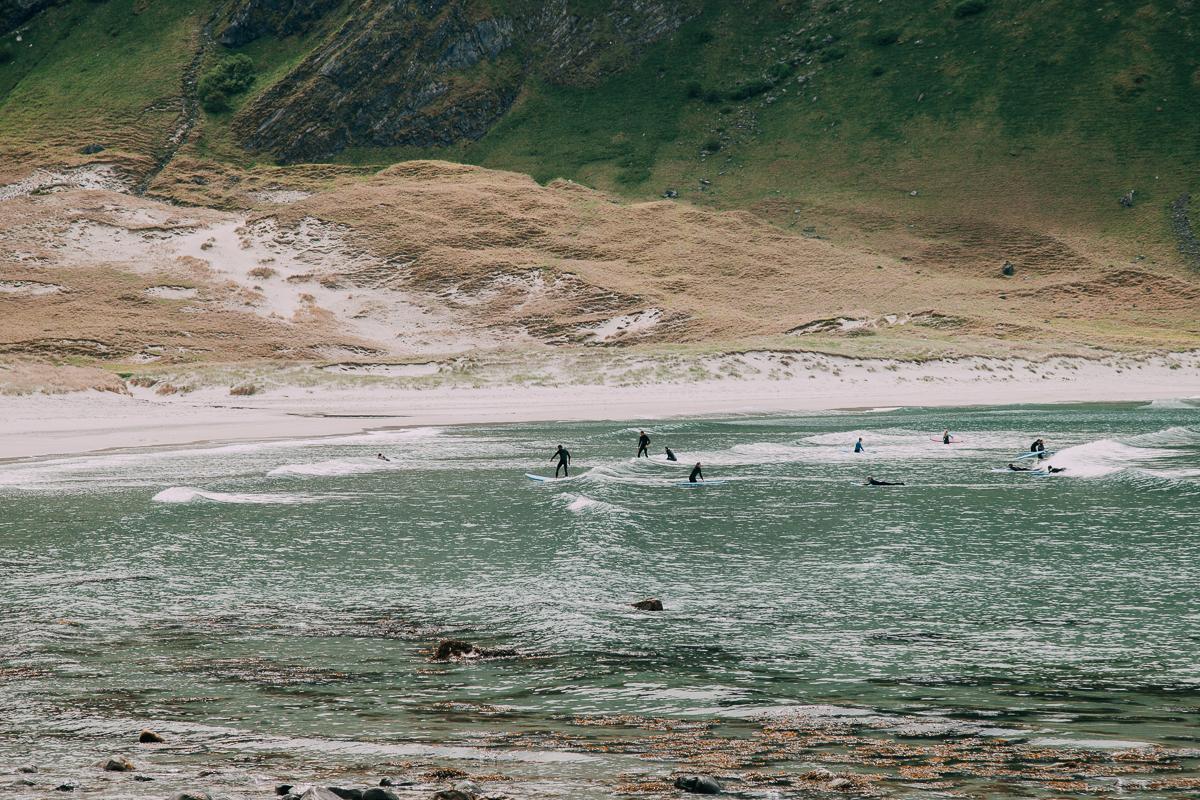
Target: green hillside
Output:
[(827, 115)]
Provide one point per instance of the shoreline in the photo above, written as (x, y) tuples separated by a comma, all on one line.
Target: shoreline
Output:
[(49, 425)]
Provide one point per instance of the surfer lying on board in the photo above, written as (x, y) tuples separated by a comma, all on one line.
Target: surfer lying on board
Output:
[(382, 457), (643, 443), (670, 454), (696, 475), (858, 446), (564, 461), (1015, 468), (872, 482)]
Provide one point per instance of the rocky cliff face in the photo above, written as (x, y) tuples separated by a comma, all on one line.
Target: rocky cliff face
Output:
[(427, 72)]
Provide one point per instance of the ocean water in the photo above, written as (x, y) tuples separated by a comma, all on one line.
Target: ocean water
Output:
[(271, 609)]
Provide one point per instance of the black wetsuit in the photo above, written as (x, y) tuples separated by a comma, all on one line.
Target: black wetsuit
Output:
[(873, 482), (1020, 469), (670, 455), (696, 475), (946, 438), (564, 461), (643, 443), (1038, 447)]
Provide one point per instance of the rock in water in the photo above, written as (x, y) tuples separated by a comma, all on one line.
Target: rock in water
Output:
[(116, 764), (469, 788), (191, 795), (450, 648), (451, 794), (150, 737), (698, 784), (283, 789), (379, 794), (28, 769), (319, 793), (346, 794), (652, 604)]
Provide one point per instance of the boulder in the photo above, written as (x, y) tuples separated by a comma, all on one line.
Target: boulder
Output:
[(377, 793), (1008, 270), (283, 789), (319, 793), (1126, 199), (28, 769), (65, 787), (150, 737), (698, 784), (116, 764), (191, 794), (670, 194), (346, 794), (469, 788), (451, 794), (91, 149), (650, 604)]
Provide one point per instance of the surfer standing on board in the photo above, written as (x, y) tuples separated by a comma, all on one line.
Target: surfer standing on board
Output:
[(643, 443), (696, 475), (564, 461), (946, 436)]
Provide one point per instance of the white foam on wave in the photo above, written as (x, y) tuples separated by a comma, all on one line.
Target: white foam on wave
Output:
[(582, 504), (1174, 403), (1108, 456), (332, 468), (186, 494)]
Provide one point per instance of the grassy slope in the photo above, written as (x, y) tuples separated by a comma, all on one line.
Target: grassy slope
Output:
[(1039, 115), (106, 73)]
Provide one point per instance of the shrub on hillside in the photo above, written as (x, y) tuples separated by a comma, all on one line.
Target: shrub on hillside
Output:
[(230, 76), (885, 38), (6, 53), (969, 8)]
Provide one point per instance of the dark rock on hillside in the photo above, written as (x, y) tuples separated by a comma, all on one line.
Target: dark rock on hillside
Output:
[(91, 149), (14, 13), (253, 19), (1127, 199), (429, 73), (1008, 270)]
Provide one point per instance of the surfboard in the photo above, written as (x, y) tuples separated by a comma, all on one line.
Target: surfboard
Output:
[(952, 441), (545, 479), (691, 484), (1043, 454)]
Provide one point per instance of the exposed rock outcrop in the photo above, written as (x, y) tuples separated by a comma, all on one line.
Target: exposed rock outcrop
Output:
[(427, 73)]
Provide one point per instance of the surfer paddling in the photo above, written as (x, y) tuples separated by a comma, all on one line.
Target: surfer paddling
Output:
[(564, 461), (696, 475), (872, 482), (643, 443), (382, 457)]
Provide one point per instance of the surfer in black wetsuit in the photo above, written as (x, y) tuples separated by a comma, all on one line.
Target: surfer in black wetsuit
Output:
[(696, 475), (382, 457), (670, 454), (643, 443), (872, 482), (1055, 470), (946, 437), (1015, 468), (1038, 447), (564, 461)]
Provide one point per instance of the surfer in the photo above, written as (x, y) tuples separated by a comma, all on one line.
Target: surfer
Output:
[(696, 475), (643, 443), (1038, 447), (1015, 468), (564, 461), (670, 454), (858, 446), (872, 482), (382, 457), (1055, 470), (946, 436)]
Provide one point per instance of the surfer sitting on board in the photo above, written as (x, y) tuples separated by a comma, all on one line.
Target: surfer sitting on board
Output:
[(872, 482), (1038, 447), (696, 475), (643, 443), (564, 460), (382, 457), (670, 454), (858, 447)]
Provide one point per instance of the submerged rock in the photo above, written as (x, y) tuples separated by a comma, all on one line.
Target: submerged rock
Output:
[(116, 764), (65, 787), (451, 648), (698, 784), (651, 604), (148, 736), (28, 769), (452, 794)]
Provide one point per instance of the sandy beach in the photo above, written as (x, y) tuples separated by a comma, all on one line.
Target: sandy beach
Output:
[(35, 425)]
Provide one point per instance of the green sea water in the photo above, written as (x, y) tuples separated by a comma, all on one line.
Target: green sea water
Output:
[(271, 608)]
